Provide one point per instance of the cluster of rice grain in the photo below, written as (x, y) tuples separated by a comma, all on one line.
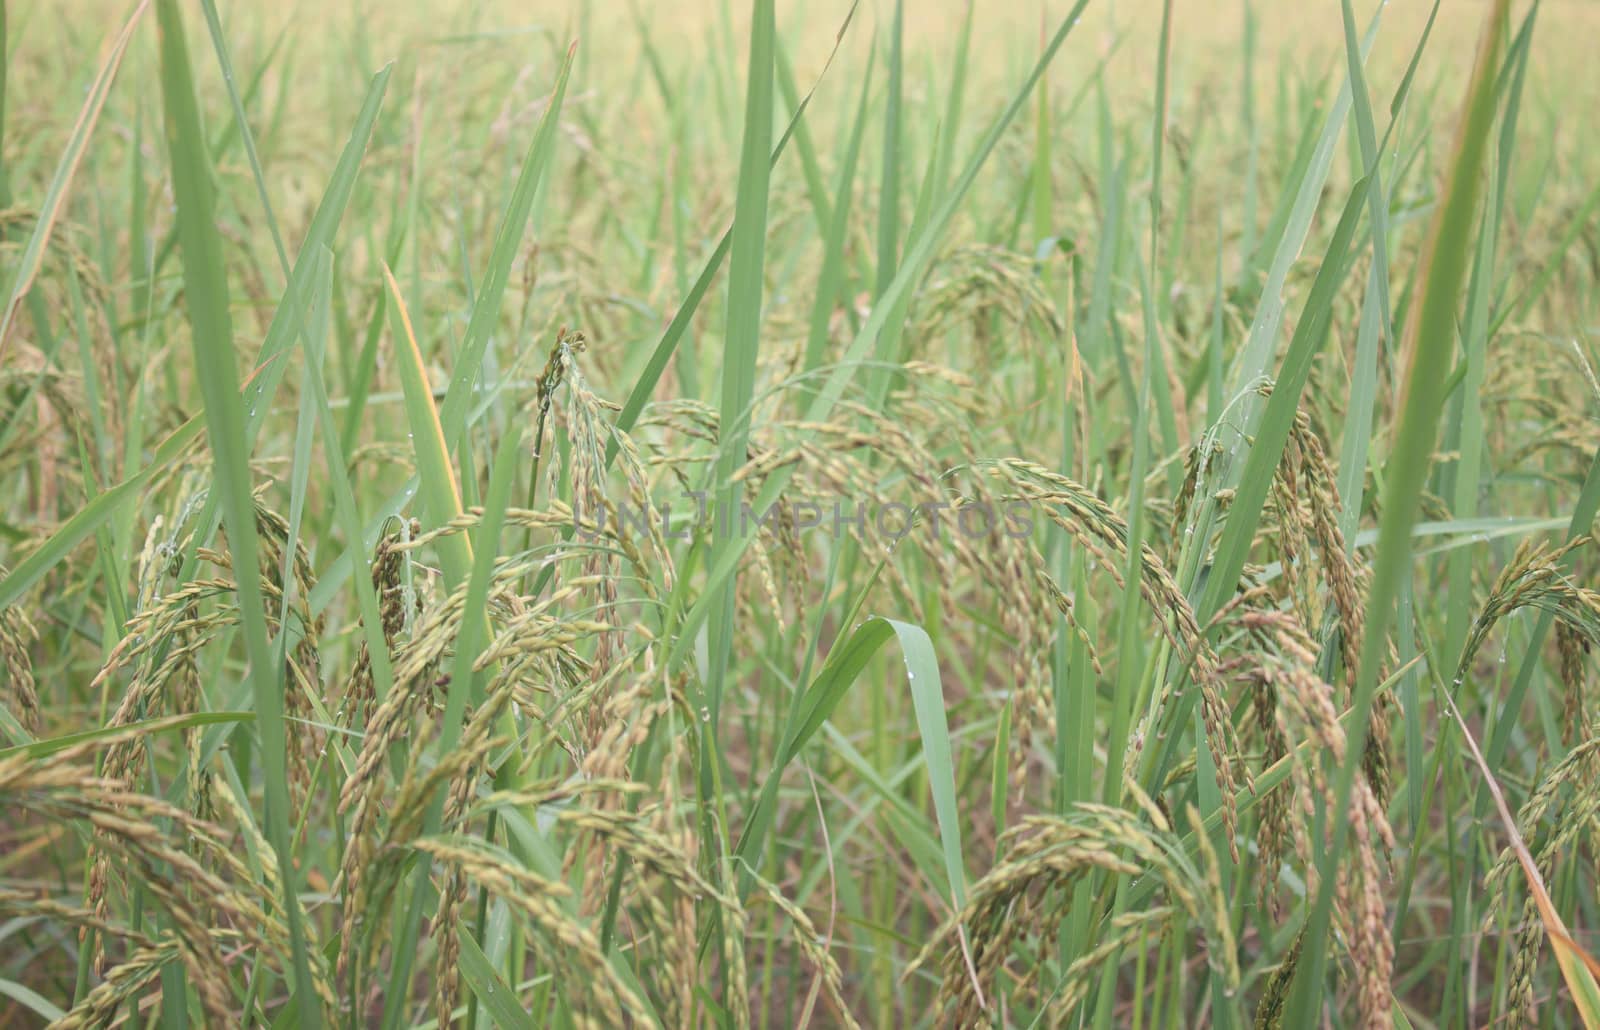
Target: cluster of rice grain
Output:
[(1103, 534), (1558, 815), (1294, 703), (1023, 900), (17, 635), (183, 862)]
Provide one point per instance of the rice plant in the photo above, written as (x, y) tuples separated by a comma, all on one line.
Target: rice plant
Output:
[(1070, 514)]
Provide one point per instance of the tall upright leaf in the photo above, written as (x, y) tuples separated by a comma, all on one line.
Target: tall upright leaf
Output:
[(918, 253), (742, 343), (211, 337), (1427, 348), (61, 183), (889, 191)]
